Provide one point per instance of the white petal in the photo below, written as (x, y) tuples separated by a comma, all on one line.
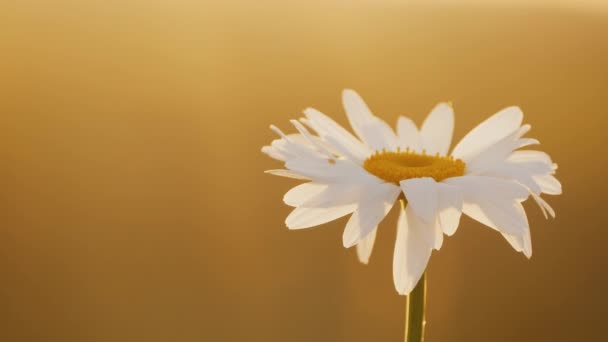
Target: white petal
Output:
[(518, 243), (534, 169), (450, 208), (286, 174), (294, 146), (549, 184), (365, 246), (371, 210), (376, 133), (309, 217), (301, 193), (273, 153), (544, 206), (497, 152), (537, 163), (514, 172), (494, 202), (522, 242), (437, 235), (422, 196), (312, 140), (300, 139), (322, 170), (437, 129), (341, 140), (337, 194), (412, 251), (497, 204), (379, 135), (302, 158), (540, 204), (438, 205), (289, 145), (530, 155), (407, 133), (489, 132)]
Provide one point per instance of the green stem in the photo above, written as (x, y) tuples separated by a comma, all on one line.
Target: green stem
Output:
[(414, 321)]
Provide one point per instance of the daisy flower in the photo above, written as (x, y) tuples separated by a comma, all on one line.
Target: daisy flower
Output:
[(486, 176)]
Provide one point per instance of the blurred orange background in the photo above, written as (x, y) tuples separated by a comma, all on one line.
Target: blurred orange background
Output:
[(132, 198)]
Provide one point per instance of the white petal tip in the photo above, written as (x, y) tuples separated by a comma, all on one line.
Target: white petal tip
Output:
[(364, 262), (278, 131), (446, 104), (514, 111), (348, 92), (406, 290), (362, 255), (349, 239), (348, 243), (290, 225), (528, 251)]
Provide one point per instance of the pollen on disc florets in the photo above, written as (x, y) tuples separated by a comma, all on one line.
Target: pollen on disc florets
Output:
[(397, 166)]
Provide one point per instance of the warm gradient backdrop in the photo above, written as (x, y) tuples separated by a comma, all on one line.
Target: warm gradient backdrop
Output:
[(133, 203)]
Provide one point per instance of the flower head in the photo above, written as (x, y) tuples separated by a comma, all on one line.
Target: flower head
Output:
[(486, 177)]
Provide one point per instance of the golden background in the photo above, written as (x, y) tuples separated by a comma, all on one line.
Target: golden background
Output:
[(132, 198)]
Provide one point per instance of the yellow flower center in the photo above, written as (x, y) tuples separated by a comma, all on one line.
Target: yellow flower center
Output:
[(397, 166)]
